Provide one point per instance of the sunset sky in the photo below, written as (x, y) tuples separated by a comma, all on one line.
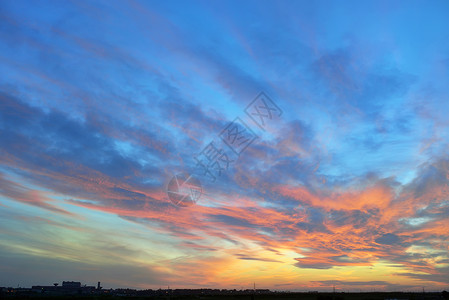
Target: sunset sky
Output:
[(103, 102)]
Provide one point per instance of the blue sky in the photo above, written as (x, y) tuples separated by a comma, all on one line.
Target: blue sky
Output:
[(102, 103)]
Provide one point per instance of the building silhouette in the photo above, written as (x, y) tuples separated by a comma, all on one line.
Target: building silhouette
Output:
[(67, 288)]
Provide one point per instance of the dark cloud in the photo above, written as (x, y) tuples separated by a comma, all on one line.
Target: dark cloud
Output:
[(245, 257), (69, 156), (440, 275), (311, 265), (388, 239), (231, 221)]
